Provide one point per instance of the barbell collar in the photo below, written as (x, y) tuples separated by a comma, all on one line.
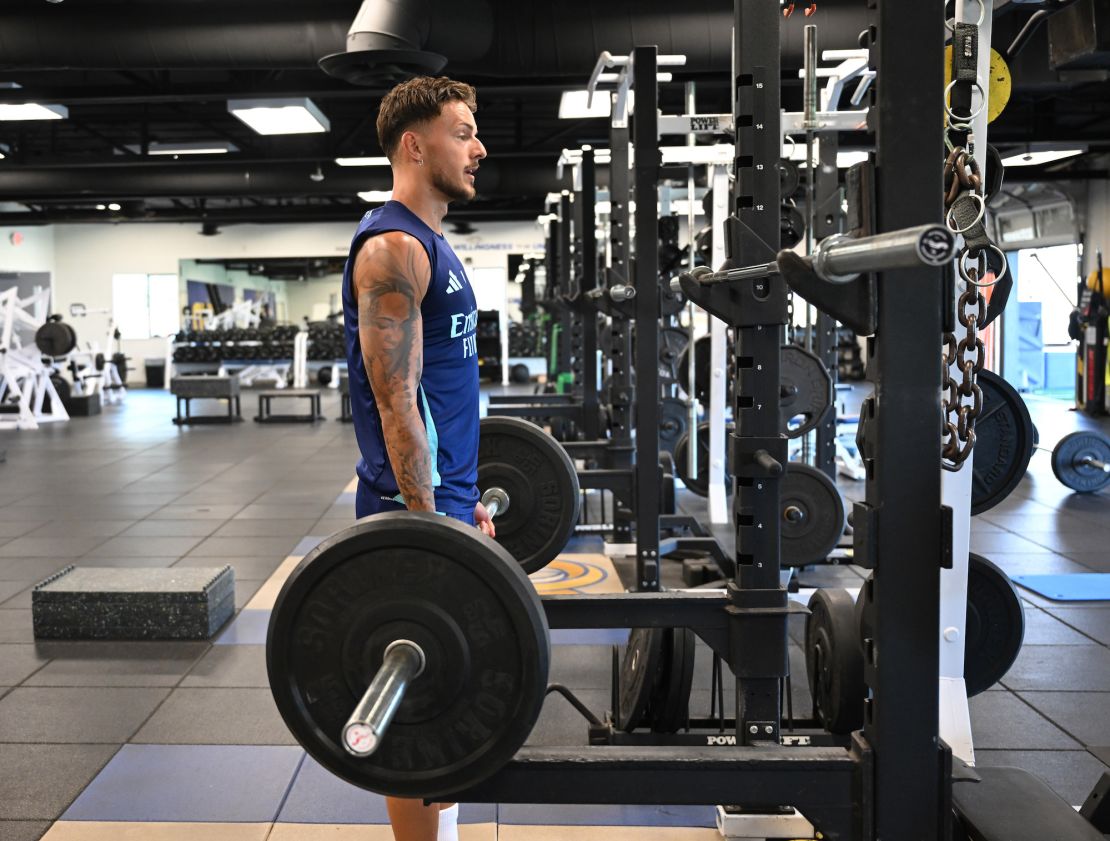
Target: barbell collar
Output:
[(622, 292), (840, 258), (402, 662), (496, 501)]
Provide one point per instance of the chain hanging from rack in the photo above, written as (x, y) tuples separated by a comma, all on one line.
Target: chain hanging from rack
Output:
[(965, 211)]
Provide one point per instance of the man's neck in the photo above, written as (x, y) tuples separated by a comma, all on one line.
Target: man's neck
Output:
[(424, 201)]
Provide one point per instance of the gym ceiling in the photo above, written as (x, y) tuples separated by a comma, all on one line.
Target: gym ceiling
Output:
[(135, 76)]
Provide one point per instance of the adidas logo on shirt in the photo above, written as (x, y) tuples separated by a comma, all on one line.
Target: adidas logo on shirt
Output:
[(453, 283)]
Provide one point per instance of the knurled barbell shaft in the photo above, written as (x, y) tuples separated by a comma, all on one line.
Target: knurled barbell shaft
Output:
[(402, 662), (496, 501)]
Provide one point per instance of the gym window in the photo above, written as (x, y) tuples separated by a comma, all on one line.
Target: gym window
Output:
[(144, 305)]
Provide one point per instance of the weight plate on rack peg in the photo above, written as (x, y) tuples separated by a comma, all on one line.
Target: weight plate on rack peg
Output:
[(812, 515), (1003, 443), (805, 392), (995, 627)]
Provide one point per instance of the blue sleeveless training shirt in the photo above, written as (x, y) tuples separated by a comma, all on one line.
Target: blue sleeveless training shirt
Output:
[(448, 395)]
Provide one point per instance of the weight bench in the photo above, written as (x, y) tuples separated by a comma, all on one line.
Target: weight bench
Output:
[(266, 399), (345, 400), (191, 388)]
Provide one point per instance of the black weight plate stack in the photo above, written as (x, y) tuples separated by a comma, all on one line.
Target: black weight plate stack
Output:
[(834, 664), (1003, 443), (640, 667), (456, 594), (673, 418), (995, 625), (812, 515), (542, 484), (698, 484), (805, 391), (1070, 465), (669, 708)]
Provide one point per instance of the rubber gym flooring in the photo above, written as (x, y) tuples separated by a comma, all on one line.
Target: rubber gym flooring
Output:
[(163, 741)]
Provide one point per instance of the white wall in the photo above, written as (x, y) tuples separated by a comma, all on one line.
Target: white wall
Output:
[(34, 254), (83, 259)]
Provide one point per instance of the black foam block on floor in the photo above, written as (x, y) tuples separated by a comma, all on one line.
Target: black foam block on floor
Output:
[(133, 604)]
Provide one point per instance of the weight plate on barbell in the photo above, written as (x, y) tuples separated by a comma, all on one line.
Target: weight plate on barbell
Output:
[(805, 391), (456, 594), (699, 483), (812, 515), (995, 626), (834, 661), (1070, 467), (55, 339), (641, 662), (1003, 443), (542, 484)]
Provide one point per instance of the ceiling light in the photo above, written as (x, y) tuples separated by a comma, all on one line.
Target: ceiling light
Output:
[(573, 105), (1044, 156), (203, 148), (376, 195), (33, 111), (280, 116), (113, 206), (102, 207), (362, 161), (318, 175)]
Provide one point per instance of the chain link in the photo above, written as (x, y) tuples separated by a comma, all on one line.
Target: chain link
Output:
[(962, 400)]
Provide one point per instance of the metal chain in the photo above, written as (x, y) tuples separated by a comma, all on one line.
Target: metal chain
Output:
[(962, 400)]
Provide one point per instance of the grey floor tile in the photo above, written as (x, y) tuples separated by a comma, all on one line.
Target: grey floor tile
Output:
[(230, 666), (216, 717), (323, 528), (85, 715), (999, 544), (82, 528), (245, 588), (1021, 523), (581, 666), (56, 546), (1086, 715), (15, 626), (266, 528), (1087, 539), (23, 830), (197, 511), (249, 568), (1042, 668), (142, 547), (1092, 621), (1042, 628), (172, 528), (561, 724), (1071, 774), (96, 663), (278, 547), (15, 528), (1093, 561), (8, 589), (257, 511), (1001, 720), (18, 661), (31, 569), (1049, 564), (38, 782)]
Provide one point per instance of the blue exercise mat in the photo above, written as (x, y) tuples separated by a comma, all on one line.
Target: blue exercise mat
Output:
[(1071, 587)]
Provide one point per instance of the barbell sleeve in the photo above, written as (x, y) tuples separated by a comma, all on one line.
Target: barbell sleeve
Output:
[(622, 292), (402, 663), (840, 258), (496, 501), (1095, 463)]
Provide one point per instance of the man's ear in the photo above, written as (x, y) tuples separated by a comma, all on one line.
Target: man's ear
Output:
[(412, 147)]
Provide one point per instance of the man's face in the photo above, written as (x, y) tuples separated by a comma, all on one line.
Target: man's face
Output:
[(453, 151)]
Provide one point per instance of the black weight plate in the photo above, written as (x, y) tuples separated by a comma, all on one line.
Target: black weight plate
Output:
[(701, 355), (1070, 468), (673, 420), (1003, 443), (789, 178), (672, 342), (542, 484), (450, 589), (995, 625), (55, 339), (792, 226), (641, 662), (669, 709), (812, 515), (834, 663), (698, 484), (805, 390)]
